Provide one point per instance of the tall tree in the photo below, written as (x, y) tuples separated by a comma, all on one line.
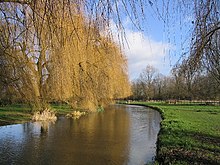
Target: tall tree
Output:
[(53, 53)]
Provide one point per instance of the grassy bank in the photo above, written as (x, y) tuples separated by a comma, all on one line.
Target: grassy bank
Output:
[(20, 113), (190, 134)]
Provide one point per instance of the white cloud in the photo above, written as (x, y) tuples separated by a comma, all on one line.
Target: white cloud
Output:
[(142, 51)]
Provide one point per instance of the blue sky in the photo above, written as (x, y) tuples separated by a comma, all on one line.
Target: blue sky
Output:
[(158, 44)]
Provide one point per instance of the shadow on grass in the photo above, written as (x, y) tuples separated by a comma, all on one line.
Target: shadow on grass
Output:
[(200, 149)]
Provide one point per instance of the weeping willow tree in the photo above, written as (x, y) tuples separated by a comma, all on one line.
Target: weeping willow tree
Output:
[(50, 51)]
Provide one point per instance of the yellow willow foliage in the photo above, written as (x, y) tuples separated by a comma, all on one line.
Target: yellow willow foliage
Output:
[(65, 58), (109, 70), (90, 71), (118, 73), (67, 63), (98, 67)]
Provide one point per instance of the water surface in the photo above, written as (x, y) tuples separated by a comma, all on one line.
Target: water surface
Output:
[(122, 135)]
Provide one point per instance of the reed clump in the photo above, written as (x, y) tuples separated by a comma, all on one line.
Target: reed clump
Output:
[(76, 114), (46, 115)]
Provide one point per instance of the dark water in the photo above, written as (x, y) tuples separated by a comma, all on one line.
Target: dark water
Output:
[(122, 135)]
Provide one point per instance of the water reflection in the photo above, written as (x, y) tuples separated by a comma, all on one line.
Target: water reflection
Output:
[(143, 134), (122, 135)]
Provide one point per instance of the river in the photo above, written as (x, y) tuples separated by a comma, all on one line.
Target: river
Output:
[(121, 135)]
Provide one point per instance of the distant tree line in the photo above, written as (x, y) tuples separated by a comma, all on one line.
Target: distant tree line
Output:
[(197, 76), (180, 85)]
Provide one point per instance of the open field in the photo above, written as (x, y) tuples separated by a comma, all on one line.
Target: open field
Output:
[(190, 134), (19, 113)]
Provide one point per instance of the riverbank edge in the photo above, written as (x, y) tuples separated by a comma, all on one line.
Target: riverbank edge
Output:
[(21, 113), (26, 117), (207, 152)]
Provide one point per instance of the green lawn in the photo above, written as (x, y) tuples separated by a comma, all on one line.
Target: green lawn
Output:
[(62, 109), (190, 134), (16, 113)]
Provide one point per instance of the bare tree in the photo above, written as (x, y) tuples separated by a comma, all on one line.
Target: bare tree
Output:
[(147, 77)]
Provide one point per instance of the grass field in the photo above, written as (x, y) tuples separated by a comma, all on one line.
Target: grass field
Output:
[(20, 113), (190, 134)]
